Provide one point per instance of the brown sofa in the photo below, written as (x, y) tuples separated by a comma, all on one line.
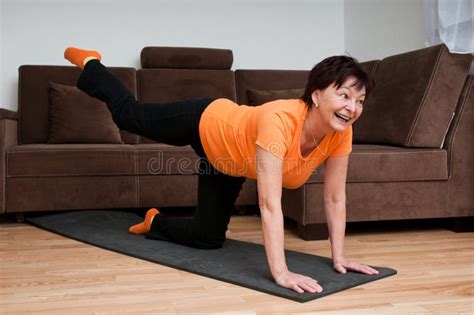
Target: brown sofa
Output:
[(410, 158)]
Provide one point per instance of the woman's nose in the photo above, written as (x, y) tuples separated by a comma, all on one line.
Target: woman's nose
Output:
[(351, 105)]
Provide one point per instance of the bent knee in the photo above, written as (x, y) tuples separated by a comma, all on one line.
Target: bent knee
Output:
[(209, 242)]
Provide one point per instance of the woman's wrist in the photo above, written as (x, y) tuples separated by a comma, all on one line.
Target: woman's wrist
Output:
[(279, 272), (278, 276), (337, 249), (337, 253)]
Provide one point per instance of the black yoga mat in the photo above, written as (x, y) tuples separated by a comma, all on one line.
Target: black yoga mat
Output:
[(237, 262)]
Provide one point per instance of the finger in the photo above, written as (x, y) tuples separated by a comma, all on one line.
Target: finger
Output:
[(364, 269), (340, 268), (314, 287), (368, 270), (308, 287), (359, 268), (375, 271), (311, 279), (313, 283), (318, 288), (297, 288)]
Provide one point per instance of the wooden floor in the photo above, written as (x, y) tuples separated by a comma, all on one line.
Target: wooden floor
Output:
[(44, 273)]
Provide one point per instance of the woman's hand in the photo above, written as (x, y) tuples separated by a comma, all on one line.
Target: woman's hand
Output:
[(342, 265), (297, 282)]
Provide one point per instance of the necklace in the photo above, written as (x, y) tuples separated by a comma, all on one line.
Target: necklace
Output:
[(314, 139)]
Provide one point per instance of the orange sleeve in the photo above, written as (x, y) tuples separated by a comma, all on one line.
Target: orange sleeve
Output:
[(272, 134), (344, 146)]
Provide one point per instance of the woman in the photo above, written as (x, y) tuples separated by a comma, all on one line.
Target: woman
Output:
[(279, 144)]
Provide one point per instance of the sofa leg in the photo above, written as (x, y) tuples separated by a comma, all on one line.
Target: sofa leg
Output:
[(20, 217), (464, 224), (313, 232)]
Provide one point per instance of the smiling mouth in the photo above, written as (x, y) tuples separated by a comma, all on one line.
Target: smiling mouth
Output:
[(343, 118)]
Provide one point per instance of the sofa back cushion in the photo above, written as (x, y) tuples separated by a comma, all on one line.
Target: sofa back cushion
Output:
[(257, 86), (414, 98), (370, 67), (186, 58), (259, 97), (175, 74), (34, 98), (75, 117)]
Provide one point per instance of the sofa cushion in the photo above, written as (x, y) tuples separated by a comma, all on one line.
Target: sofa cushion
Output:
[(167, 191), (76, 117), (414, 98), (255, 87), (34, 98), (71, 192), (168, 85), (265, 80), (163, 159), (186, 58), (370, 67), (378, 163), (8, 114), (70, 160), (258, 97)]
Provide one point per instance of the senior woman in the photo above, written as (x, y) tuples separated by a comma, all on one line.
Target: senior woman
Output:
[(279, 144)]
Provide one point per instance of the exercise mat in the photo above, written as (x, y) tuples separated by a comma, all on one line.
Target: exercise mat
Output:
[(237, 262)]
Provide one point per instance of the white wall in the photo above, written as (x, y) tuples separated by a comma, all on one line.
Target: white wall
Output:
[(375, 29), (2, 102), (265, 34)]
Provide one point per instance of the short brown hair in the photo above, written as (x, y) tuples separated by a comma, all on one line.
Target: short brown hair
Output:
[(335, 69)]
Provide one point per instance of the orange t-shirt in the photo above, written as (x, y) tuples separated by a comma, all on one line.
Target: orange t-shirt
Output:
[(230, 133)]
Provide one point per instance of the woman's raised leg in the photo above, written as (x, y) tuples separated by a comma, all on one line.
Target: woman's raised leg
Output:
[(174, 123)]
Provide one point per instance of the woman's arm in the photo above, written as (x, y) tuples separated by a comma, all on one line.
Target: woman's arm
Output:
[(335, 174), (269, 185)]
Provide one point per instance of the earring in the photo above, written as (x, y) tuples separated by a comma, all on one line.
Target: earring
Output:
[(316, 105)]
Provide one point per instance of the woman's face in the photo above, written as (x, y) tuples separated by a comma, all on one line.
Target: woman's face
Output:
[(340, 108)]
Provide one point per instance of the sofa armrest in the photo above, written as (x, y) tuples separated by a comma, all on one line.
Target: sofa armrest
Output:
[(8, 129), (8, 114), (8, 138), (461, 155)]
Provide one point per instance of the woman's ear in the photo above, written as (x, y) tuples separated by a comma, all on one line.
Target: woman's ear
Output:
[(315, 97)]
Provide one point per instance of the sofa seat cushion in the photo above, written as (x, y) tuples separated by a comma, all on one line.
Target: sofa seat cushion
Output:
[(378, 163), (163, 159), (70, 160)]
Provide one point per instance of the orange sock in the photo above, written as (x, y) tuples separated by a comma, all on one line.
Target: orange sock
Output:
[(77, 56), (144, 227)]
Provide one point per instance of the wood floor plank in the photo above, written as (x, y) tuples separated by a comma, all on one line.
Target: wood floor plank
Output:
[(44, 273)]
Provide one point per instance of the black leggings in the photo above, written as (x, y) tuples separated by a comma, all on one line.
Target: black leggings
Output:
[(174, 123)]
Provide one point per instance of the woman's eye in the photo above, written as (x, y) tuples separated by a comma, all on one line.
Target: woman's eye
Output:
[(344, 95), (360, 103)]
